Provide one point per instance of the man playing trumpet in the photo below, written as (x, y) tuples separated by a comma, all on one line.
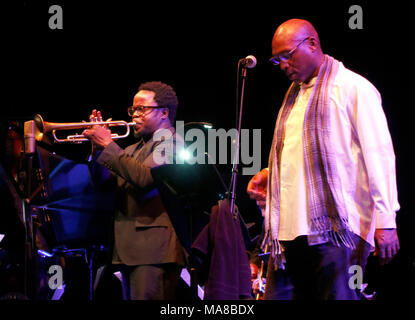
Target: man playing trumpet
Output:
[(146, 246)]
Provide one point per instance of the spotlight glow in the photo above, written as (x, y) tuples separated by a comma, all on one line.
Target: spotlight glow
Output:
[(184, 154)]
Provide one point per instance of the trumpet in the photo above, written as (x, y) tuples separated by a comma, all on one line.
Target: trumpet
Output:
[(41, 127)]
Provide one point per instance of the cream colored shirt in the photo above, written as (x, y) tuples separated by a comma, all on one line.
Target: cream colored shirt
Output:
[(294, 220), (364, 156)]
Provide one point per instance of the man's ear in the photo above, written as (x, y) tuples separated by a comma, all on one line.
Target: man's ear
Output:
[(165, 113), (313, 43)]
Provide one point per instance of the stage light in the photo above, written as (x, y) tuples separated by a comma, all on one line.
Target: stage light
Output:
[(184, 154), (44, 254)]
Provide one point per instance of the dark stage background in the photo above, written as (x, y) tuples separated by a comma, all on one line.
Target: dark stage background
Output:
[(106, 49)]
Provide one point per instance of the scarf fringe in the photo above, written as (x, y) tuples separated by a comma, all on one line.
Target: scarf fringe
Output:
[(341, 238), (335, 231), (265, 242), (275, 250)]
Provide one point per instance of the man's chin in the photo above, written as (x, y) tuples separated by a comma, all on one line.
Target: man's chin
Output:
[(140, 134), (137, 133), (293, 77)]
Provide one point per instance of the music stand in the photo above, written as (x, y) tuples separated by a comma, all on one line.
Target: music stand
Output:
[(74, 216), (188, 193)]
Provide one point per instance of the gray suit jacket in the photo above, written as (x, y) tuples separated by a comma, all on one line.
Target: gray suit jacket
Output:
[(142, 228)]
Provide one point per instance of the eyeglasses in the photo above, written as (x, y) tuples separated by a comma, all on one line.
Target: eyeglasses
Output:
[(140, 109), (276, 60)]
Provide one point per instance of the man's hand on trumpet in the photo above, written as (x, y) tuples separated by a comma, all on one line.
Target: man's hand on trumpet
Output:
[(100, 136)]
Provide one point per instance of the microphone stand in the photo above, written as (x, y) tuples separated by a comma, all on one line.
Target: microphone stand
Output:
[(236, 157), (30, 274)]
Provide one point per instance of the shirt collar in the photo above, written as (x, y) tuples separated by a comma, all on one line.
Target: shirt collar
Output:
[(310, 84)]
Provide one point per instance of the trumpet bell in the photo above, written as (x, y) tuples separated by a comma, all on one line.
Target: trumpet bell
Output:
[(39, 127)]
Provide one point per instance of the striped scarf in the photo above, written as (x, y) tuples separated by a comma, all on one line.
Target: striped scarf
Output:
[(326, 206)]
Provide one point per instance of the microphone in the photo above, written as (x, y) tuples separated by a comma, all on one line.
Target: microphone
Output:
[(249, 62), (29, 137)]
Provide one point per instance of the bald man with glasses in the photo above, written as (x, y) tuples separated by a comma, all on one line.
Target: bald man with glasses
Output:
[(329, 194)]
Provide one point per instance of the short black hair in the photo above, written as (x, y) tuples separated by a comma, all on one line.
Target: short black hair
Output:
[(164, 96)]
